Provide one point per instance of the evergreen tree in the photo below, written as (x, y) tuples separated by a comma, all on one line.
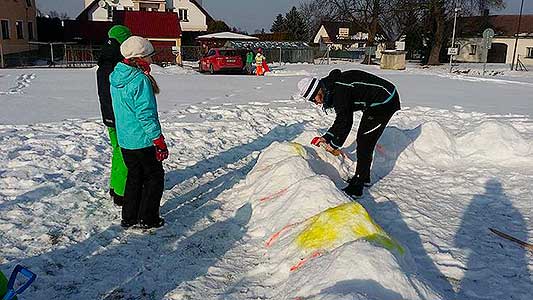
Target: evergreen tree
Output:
[(217, 26), (280, 24), (296, 26)]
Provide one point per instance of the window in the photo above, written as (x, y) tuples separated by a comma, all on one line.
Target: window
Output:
[(228, 53), (28, 2), (529, 52), (30, 31), (5, 29), (211, 53), (20, 29), (473, 49), (184, 14)]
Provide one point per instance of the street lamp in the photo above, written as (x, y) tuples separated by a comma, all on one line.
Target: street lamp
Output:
[(517, 33), (457, 9)]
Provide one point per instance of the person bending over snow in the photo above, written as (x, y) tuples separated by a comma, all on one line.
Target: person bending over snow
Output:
[(345, 93)]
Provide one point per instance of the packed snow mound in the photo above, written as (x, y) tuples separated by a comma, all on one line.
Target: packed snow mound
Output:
[(490, 143), (307, 226)]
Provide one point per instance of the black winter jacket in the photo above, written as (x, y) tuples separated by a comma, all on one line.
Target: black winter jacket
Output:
[(109, 57), (351, 91)]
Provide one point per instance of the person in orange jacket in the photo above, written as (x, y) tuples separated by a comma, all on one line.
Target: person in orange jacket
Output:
[(259, 58)]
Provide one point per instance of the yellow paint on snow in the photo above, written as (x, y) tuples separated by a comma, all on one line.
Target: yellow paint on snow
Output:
[(344, 223), (299, 149)]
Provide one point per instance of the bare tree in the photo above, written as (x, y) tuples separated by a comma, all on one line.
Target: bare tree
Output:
[(313, 13), (364, 13)]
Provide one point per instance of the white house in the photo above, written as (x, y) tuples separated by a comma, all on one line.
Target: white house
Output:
[(340, 35), (470, 42), (193, 17), (102, 10), (192, 14)]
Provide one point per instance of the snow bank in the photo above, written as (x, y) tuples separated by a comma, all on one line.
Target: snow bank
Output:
[(171, 70), (288, 198), (280, 71), (490, 143)]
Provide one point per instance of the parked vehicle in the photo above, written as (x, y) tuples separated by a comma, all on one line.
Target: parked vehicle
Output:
[(221, 59)]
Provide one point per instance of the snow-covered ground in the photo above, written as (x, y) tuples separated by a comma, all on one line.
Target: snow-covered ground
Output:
[(244, 188)]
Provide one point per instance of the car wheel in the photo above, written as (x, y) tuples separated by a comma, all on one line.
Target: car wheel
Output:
[(211, 69)]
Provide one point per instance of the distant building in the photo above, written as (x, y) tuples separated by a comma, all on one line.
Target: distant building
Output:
[(470, 39), (193, 17), (18, 27), (340, 36)]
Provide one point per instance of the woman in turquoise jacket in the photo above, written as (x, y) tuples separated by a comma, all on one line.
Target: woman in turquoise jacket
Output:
[(139, 134)]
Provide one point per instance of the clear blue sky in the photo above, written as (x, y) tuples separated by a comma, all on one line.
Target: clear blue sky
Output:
[(246, 14)]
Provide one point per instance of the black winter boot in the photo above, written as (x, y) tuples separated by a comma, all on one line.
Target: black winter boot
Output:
[(148, 225), (355, 187), (118, 200)]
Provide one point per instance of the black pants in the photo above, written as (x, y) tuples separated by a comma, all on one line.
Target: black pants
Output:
[(370, 130), (144, 186)]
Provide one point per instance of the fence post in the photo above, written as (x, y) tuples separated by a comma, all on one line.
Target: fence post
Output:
[(1, 54), (52, 53)]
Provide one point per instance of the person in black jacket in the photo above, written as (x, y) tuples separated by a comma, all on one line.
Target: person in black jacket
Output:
[(345, 93), (109, 57)]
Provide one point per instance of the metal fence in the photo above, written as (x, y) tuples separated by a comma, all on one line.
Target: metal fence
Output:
[(74, 56), (191, 53), (54, 55), (194, 53), (289, 55)]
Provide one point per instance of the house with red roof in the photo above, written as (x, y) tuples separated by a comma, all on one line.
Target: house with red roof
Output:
[(470, 41)]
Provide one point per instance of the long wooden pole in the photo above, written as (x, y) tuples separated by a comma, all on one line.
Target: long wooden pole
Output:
[(517, 34)]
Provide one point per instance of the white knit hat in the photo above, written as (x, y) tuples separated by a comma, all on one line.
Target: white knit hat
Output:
[(308, 88), (136, 46)]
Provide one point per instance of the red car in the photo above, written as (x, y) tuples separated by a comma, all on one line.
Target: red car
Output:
[(221, 59)]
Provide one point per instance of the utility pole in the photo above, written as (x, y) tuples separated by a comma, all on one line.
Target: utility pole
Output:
[(453, 35), (517, 33)]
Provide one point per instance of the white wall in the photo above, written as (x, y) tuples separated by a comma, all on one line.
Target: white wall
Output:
[(321, 33), (521, 49), (98, 14), (101, 14), (465, 48), (197, 20), (523, 43)]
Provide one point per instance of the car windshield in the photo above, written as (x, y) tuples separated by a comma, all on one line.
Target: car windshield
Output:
[(228, 53)]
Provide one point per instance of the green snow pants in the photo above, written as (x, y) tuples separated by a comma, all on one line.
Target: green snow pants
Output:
[(3, 285), (119, 171)]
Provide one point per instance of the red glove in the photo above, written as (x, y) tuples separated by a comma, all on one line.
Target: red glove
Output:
[(317, 140), (161, 150)]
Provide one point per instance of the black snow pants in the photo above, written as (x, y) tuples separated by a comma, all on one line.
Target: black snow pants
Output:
[(370, 130), (144, 186)]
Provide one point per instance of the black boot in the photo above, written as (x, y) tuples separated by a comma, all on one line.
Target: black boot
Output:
[(355, 187), (127, 224), (148, 225), (118, 200)]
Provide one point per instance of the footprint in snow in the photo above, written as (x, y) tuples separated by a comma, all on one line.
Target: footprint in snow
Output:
[(22, 82)]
